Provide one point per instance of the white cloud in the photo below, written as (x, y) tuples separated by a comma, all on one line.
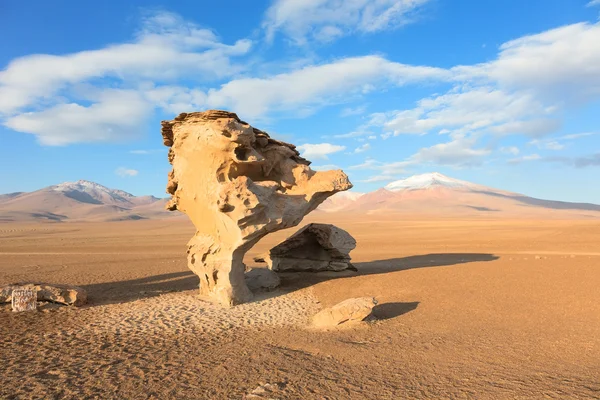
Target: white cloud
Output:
[(83, 96), (349, 111), (467, 110), (116, 115), (523, 91), (457, 153), (510, 150), (316, 85), (362, 148), (146, 152), (547, 144), (558, 143), (578, 135), (593, 3), (325, 167), (319, 151), (530, 157), (385, 171), (327, 20), (126, 172)]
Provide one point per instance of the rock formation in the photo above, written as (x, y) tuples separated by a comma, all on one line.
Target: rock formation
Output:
[(316, 247), (350, 310), (236, 184), (61, 294)]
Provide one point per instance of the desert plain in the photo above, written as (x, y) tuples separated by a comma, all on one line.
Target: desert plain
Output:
[(468, 307)]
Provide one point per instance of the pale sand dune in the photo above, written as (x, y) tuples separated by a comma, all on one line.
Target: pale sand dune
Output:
[(469, 308)]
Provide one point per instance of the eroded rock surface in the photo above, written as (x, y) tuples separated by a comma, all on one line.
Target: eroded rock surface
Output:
[(350, 310), (61, 294), (262, 279), (315, 247), (236, 184)]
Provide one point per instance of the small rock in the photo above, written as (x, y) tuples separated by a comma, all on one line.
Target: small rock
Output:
[(350, 310), (262, 279), (62, 294)]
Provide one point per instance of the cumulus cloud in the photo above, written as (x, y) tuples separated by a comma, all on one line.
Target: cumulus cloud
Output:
[(385, 171), (362, 148), (510, 150), (126, 172), (530, 157), (319, 151), (325, 167), (592, 160), (316, 85), (85, 96), (116, 115), (523, 91), (349, 111), (593, 3), (459, 153), (326, 20)]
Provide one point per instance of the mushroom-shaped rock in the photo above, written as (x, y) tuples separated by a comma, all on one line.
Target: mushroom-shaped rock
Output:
[(236, 184), (315, 247)]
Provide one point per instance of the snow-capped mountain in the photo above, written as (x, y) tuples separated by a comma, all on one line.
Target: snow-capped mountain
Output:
[(435, 193), (81, 200), (94, 193), (430, 181)]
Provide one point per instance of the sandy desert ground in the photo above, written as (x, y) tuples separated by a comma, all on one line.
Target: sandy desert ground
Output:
[(468, 308)]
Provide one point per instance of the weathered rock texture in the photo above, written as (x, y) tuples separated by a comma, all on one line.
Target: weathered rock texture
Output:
[(351, 310), (61, 294), (262, 279), (237, 185), (316, 247)]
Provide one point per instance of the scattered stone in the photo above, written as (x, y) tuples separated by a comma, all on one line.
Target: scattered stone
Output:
[(265, 391), (236, 184), (538, 257), (262, 279), (350, 310), (61, 294), (24, 300), (315, 247)]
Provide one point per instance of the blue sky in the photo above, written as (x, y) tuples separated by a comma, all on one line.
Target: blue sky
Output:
[(504, 93)]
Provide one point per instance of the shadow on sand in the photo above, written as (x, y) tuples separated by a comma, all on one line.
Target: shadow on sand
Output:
[(393, 310), (134, 289), (299, 280)]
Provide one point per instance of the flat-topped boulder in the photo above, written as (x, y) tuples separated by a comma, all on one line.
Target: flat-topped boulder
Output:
[(315, 247)]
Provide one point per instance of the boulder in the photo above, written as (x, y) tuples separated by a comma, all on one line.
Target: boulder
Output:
[(236, 184), (315, 247), (61, 294), (262, 279), (350, 310)]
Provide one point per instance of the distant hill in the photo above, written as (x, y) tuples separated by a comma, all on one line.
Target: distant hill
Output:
[(430, 194), (81, 200), (434, 193)]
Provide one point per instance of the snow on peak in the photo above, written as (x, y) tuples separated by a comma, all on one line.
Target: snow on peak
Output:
[(428, 181), (89, 187)]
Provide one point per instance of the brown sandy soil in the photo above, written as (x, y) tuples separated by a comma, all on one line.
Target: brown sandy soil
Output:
[(497, 309)]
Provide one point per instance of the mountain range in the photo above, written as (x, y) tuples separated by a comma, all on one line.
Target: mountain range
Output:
[(81, 200), (431, 194), (434, 193)]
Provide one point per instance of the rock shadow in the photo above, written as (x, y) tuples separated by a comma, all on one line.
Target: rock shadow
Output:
[(393, 310), (135, 289), (151, 286), (299, 280)]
